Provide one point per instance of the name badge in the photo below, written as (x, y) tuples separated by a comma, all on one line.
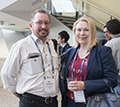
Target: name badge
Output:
[(79, 96), (49, 84)]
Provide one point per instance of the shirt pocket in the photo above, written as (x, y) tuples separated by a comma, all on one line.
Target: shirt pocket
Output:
[(35, 65)]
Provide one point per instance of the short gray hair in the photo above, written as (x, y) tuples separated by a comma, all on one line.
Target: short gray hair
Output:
[(38, 11)]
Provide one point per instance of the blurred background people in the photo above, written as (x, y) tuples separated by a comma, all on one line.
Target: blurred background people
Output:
[(107, 36), (63, 38), (113, 27)]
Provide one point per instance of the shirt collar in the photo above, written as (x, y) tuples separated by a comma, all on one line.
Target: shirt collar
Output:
[(116, 36), (63, 45), (38, 39)]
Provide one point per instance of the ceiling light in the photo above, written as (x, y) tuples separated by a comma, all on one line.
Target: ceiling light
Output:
[(36, 2), (11, 24), (26, 29)]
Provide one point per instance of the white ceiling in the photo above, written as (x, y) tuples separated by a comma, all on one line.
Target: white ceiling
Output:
[(18, 12)]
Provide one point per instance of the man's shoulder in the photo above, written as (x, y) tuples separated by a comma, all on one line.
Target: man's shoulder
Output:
[(117, 39), (109, 42), (55, 44), (22, 41), (67, 45), (114, 41)]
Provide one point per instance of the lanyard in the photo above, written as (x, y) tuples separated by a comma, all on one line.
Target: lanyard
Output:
[(51, 56), (41, 55), (81, 68)]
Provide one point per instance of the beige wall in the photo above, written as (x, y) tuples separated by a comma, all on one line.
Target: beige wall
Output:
[(111, 6)]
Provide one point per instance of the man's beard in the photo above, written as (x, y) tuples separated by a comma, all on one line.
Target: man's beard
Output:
[(43, 33)]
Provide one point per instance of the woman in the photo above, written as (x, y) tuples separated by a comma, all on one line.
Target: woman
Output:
[(86, 64)]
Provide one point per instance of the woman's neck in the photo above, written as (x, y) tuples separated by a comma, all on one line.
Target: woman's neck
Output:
[(83, 51), (83, 47)]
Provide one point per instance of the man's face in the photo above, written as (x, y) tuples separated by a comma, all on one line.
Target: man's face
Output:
[(107, 34), (41, 25), (59, 39)]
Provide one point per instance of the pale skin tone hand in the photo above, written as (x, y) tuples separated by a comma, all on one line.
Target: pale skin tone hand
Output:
[(76, 85), (17, 95)]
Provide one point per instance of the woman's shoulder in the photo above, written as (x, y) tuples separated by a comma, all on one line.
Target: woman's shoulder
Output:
[(102, 47), (102, 50), (69, 49)]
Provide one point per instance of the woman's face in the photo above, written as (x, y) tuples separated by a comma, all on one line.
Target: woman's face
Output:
[(82, 32)]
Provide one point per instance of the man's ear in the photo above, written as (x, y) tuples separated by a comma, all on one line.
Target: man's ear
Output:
[(63, 39), (109, 32), (30, 25)]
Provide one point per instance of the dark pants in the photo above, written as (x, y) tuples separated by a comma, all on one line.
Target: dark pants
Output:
[(30, 100), (71, 103)]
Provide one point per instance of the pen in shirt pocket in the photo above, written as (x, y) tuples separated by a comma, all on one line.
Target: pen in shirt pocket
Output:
[(34, 55)]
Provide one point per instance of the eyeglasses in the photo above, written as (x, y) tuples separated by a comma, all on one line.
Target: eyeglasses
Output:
[(105, 32), (59, 37), (41, 23)]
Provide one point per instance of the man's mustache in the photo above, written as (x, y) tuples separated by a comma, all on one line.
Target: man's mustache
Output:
[(43, 30)]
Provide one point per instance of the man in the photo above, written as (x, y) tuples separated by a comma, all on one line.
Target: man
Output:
[(63, 38), (107, 36), (31, 68), (113, 27)]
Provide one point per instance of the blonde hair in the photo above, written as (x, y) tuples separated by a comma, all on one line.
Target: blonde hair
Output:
[(92, 31)]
